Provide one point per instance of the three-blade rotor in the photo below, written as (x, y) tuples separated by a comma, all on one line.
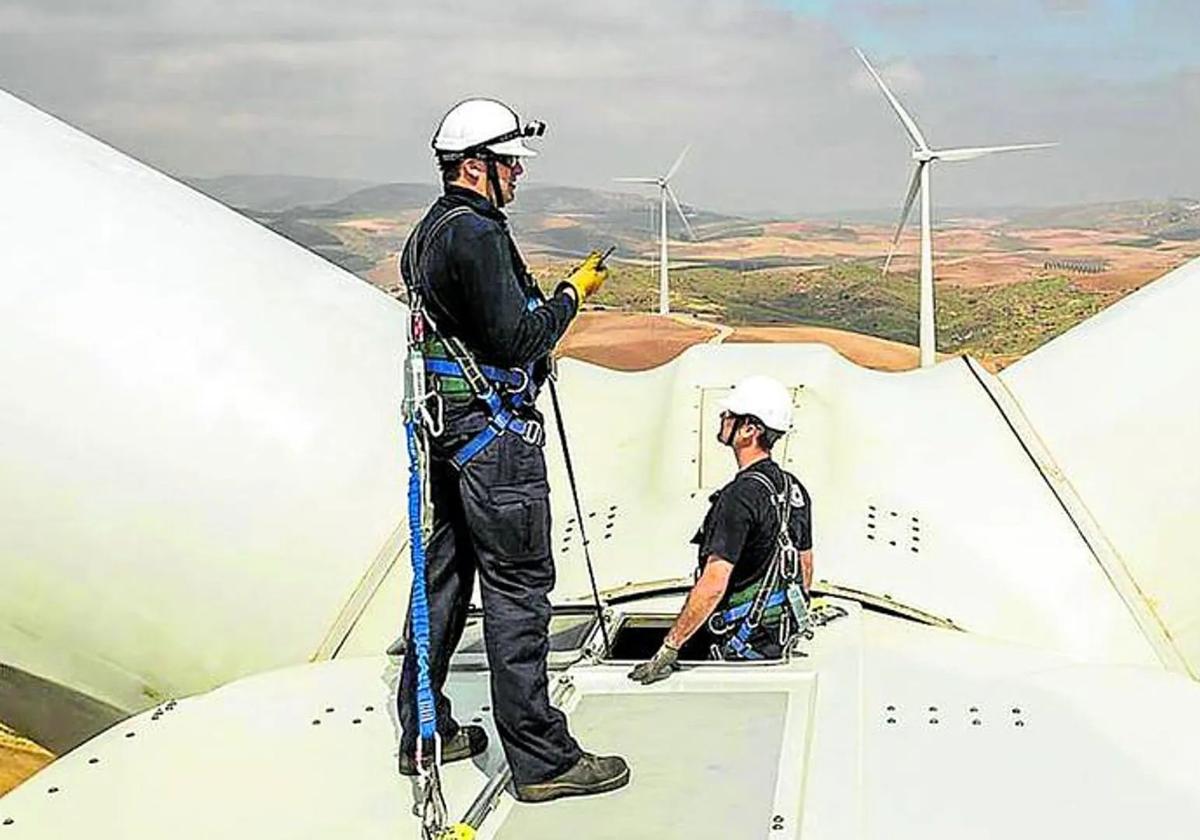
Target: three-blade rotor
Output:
[(924, 155), (663, 182)]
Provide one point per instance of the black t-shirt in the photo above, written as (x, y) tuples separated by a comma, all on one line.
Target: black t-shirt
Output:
[(742, 524)]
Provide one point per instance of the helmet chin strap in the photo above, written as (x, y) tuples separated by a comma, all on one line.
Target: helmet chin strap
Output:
[(493, 178)]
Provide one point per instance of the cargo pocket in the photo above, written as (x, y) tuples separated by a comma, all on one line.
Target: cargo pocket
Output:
[(522, 516)]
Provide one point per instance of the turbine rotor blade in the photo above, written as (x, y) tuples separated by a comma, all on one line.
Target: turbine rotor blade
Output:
[(678, 161), (910, 125), (972, 152), (679, 210), (913, 187), (637, 180)]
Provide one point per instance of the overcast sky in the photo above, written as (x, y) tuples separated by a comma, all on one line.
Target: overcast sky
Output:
[(781, 115)]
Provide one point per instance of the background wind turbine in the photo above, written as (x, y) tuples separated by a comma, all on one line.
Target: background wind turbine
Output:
[(664, 192), (923, 155)]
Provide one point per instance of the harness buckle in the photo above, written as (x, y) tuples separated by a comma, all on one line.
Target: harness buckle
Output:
[(524, 383), (717, 624), (789, 562), (533, 433)]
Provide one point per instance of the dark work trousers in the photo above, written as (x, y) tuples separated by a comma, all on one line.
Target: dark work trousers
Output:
[(494, 516)]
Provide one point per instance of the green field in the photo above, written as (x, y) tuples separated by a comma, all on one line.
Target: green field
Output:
[(1004, 320)]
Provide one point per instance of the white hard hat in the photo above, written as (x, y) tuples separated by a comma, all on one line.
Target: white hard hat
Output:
[(476, 124), (765, 398)]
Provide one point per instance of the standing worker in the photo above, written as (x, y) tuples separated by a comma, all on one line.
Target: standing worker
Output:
[(489, 336), (755, 570)]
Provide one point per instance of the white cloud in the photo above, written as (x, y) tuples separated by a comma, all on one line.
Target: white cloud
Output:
[(775, 103)]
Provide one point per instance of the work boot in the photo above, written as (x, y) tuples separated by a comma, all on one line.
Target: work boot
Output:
[(467, 742), (590, 774)]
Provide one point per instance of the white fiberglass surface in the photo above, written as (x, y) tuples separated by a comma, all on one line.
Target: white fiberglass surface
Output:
[(1115, 401), (201, 452), (921, 492), (1061, 750), (719, 784)]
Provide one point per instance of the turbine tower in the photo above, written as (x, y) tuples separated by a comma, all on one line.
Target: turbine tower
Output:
[(924, 156), (664, 192)]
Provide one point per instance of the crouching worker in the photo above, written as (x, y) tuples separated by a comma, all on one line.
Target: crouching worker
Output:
[(755, 559)]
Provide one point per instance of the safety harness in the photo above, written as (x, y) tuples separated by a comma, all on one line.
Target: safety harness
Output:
[(457, 376), (776, 601), (446, 362)]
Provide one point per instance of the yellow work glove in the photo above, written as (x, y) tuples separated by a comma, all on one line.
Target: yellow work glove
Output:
[(587, 277)]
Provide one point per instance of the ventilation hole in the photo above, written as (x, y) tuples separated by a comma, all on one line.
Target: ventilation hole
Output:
[(369, 709), (891, 542), (976, 722), (916, 539), (607, 536), (52, 790), (870, 524), (356, 721), (894, 513), (485, 708), (933, 721), (891, 708), (8, 821), (913, 549), (592, 515), (870, 507), (130, 734), (1016, 710), (891, 720), (1020, 723), (870, 536), (933, 708), (93, 761), (316, 722), (974, 710), (476, 720), (329, 709)]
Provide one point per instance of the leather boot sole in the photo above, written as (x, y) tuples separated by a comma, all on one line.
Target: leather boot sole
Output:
[(546, 791)]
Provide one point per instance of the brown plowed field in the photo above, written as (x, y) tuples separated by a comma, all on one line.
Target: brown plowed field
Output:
[(865, 350), (630, 341), (19, 759)]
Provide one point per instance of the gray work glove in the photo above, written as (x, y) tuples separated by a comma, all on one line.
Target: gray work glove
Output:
[(664, 663)]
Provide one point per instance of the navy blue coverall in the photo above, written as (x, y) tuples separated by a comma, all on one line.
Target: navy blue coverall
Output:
[(493, 515)]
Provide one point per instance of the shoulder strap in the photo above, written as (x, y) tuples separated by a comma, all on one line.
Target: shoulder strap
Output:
[(780, 498), (421, 237)]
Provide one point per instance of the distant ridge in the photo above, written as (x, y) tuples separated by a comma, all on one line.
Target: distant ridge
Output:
[(275, 193)]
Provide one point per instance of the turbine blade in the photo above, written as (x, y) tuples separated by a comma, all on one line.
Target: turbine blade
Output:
[(678, 161), (679, 210), (972, 152), (637, 180), (910, 125), (913, 187)]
